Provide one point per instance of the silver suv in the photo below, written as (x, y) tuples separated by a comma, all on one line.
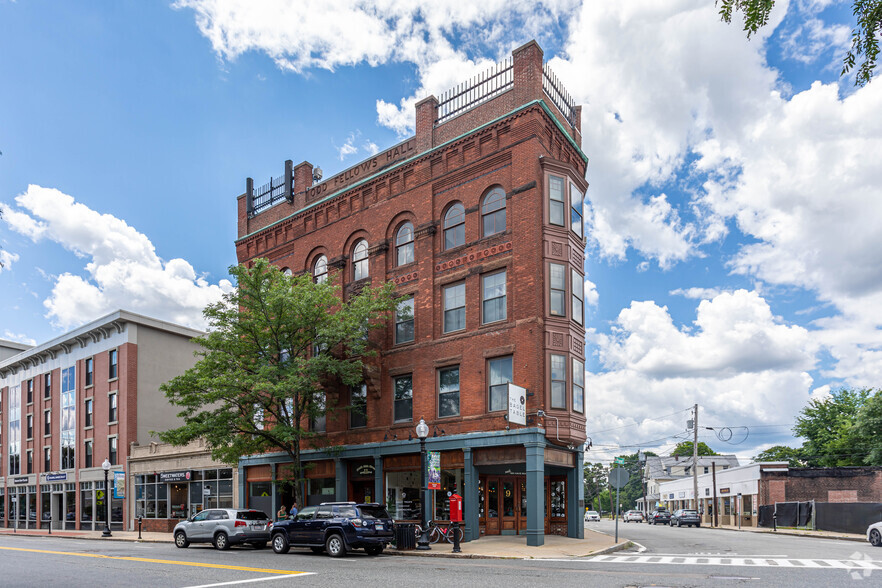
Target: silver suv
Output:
[(224, 527)]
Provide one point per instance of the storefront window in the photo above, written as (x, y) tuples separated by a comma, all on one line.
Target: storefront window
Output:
[(320, 490), (86, 504), (451, 481), (559, 499), (179, 499), (403, 495)]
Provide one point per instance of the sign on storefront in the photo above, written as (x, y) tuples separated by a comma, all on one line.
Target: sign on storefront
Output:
[(55, 477), (22, 480), (433, 461), (365, 470), (119, 484), (517, 405), (183, 476)]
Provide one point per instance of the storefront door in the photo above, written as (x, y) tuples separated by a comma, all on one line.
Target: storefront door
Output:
[(363, 491), (504, 508)]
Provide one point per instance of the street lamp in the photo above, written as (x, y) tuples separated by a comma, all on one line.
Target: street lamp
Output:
[(422, 431), (106, 467)]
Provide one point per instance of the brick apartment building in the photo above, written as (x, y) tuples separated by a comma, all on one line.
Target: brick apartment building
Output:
[(477, 218), (69, 403)]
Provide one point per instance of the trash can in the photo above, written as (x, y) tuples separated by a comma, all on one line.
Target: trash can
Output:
[(405, 536)]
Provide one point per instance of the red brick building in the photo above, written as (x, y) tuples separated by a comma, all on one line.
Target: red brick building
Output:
[(68, 404), (477, 218)]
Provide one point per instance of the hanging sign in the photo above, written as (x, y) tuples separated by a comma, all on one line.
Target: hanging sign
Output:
[(119, 484), (433, 462), (517, 405)]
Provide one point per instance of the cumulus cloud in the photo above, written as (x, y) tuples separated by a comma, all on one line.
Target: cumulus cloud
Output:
[(738, 361), (122, 269), (18, 337), (7, 258)]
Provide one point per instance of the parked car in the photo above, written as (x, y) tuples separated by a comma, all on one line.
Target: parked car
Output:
[(336, 527), (874, 534), (660, 516), (592, 515), (633, 515), (224, 527), (685, 516)]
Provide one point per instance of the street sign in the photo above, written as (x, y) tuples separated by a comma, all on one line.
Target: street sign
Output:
[(618, 477), (620, 460)]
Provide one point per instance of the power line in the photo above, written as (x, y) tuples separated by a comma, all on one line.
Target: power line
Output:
[(641, 422)]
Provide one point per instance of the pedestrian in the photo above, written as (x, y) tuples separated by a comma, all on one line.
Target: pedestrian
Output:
[(282, 514), (294, 509)]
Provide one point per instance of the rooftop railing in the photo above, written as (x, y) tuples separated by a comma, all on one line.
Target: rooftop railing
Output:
[(478, 90), (269, 194), (559, 96)]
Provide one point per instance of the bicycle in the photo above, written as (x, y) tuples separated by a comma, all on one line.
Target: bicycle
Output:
[(445, 530)]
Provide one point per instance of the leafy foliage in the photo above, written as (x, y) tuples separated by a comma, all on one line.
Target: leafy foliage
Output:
[(792, 456), (684, 449), (275, 347), (833, 429), (864, 36)]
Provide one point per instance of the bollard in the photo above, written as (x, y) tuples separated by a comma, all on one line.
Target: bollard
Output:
[(50, 523), (456, 548), (140, 520), (774, 522)]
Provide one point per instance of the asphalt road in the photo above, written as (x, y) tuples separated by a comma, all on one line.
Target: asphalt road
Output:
[(664, 557)]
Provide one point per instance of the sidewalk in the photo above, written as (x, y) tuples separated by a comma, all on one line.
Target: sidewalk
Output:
[(498, 546), (795, 532)]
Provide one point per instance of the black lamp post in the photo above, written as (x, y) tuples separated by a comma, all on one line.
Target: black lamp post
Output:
[(422, 431), (106, 467)]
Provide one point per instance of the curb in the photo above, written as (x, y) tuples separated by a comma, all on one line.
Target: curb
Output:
[(794, 534)]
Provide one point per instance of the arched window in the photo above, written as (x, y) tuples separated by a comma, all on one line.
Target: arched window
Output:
[(287, 271), (320, 270), (454, 226), (360, 260), (404, 244), (493, 212)]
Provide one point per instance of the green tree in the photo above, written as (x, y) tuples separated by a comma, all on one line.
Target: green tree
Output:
[(594, 475), (869, 428), (828, 426), (792, 456), (275, 346), (864, 35), (684, 449)]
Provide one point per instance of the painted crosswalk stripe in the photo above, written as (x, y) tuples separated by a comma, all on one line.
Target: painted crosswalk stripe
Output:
[(738, 561)]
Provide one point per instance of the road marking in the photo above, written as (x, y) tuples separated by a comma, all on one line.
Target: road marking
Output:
[(253, 580), (752, 561), (160, 561)]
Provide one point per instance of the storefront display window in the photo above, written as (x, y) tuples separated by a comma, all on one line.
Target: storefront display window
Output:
[(559, 499), (403, 495), (178, 495), (451, 481), (320, 490)]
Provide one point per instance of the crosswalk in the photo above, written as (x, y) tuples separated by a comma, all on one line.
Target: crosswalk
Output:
[(746, 561)]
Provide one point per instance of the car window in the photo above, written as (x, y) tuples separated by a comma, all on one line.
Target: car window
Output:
[(251, 515), (323, 512), (216, 515), (202, 516), (306, 514), (374, 512), (347, 512)]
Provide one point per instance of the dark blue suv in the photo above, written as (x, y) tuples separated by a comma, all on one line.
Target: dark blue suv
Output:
[(335, 527)]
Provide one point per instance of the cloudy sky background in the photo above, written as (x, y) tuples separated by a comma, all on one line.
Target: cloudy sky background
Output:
[(733, 211)]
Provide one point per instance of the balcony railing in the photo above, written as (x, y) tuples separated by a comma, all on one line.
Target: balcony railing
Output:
[(559, 96), (478, 90), (269, 194)]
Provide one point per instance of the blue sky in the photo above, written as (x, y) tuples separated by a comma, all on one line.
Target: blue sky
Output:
[(732, 209)]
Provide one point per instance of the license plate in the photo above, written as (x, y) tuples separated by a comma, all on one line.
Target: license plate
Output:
[(379, 527), (258, 527)]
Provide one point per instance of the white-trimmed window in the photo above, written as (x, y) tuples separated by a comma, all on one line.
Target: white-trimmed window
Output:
[(576, 197), (448, 392), (493, 297), (360, 268), (493, 212), (578, 287), (454, 307), (404, 321), (111, 452), (403, 402), (90, 371), (87, 450), (318, 423), (112, 370), (558, 289), (558, 381), (320, 270), (556, 201), (454, 226), (404, 244), (112, 412), (578, 385), (358, 406), (68, 418), (499, 375)]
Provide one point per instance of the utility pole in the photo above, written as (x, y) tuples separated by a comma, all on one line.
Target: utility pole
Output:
[(695, 458), (714, 474)]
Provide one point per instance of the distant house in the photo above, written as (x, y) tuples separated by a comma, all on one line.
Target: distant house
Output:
[(659, 470)]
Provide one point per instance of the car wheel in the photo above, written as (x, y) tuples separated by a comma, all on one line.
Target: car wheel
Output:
[(221, 541), (259, 544), (697, 525), (334, 545), (376, 550), (875, 538), (318, 549), (181, 540), (280, 543)]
